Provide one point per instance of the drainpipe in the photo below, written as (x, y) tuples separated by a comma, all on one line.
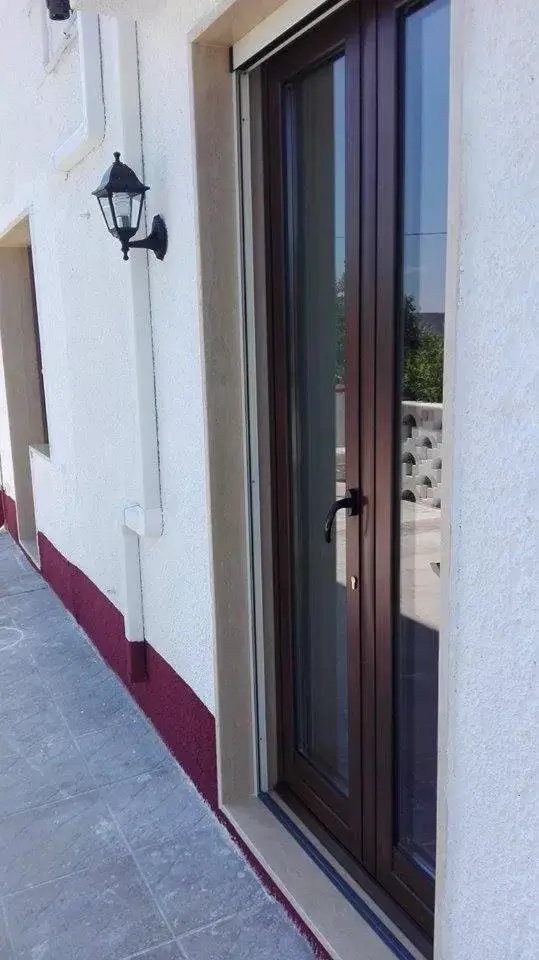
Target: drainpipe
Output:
[(91, 131), (133, 606), (142, 515)]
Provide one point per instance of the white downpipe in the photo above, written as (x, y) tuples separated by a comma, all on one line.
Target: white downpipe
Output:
[(91, 131), (143, 514), (133, 602)]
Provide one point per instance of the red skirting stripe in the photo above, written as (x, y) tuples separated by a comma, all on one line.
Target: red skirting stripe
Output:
[(184, 722), (9, 515)]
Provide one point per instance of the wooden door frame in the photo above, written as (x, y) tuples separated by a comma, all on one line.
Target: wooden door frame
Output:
[(340, 33), (413, 888), (374, 246)]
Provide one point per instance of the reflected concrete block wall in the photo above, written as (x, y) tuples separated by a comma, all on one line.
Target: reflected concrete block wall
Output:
[(421, 448), (422, 452)]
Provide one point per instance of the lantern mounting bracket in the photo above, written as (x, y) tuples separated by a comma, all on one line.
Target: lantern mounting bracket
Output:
[(157, 240)]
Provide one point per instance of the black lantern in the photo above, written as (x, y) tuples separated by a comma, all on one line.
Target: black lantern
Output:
[(121, 198), (59, 9)]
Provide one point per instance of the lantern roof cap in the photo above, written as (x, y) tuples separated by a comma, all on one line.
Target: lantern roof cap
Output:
[(119, 178)]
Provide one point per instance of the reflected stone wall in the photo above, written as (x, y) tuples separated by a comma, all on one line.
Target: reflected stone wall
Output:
[(421, 449), (421, 433)]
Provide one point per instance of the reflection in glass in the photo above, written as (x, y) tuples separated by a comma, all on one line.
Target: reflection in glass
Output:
[(426, 104), (315, 198)]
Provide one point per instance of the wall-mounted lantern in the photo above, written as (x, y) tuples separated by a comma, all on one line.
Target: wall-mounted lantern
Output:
[(59, 9), (121, 198)]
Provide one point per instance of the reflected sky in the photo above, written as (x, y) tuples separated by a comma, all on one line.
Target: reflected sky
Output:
[(426, 144), (426, 110)]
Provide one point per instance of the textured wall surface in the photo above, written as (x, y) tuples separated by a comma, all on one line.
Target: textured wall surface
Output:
[(83, 297), (83, 304), (489, 905), (80, 295)]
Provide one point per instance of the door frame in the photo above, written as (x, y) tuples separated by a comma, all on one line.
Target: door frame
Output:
[(229, 304), (339, 35), (377, 243)]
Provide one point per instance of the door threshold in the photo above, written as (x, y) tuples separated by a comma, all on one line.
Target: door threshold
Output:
[(349, 876), (347, 927)]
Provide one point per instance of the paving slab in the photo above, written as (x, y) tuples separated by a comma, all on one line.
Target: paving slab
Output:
[(199, 877), (42, 773), (107, 851), (17, 574), (103, 913), (155, 806), (264, 934)]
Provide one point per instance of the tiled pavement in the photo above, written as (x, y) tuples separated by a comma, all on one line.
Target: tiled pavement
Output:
[(106, 850)]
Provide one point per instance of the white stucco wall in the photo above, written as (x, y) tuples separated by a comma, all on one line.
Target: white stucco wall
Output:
[(83, 296), (488, 887), (176, 568), (83, 303)]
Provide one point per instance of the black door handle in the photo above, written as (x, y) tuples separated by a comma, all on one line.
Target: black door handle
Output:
[(350, 502)]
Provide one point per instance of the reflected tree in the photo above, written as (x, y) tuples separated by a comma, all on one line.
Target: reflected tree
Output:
[(423, 353), (340, 325), (423, 357)]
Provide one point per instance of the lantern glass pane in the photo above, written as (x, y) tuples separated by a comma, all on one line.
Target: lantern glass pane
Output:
[(138, 200), (123, 208), (106, 210)]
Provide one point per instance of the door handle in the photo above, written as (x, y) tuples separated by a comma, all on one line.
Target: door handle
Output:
[(350, 502)]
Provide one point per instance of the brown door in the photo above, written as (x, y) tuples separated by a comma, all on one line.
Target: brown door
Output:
[(356, 168)]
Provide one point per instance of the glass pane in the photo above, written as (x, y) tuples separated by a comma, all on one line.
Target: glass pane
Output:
[(136, 211), (106, 210), (426, 107), (122, 208), (315, 188)]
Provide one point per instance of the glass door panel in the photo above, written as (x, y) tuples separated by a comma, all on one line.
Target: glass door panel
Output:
[(315, 314), (355, 154), (425, 111), (310, 88)]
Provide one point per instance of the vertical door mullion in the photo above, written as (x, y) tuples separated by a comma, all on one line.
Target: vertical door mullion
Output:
[(366, 257), (341, 814), (278, 398), (354, 566), (386, 233), (413, 890)]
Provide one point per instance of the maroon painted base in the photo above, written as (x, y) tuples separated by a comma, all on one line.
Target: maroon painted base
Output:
[(9, 515), (183, 721), (137, 667)]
